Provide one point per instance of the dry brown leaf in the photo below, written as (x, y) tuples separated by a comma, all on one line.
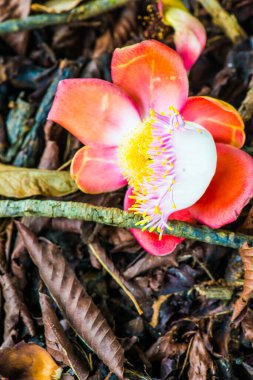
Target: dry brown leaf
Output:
[(78, 307), (50, 157), (166, 347), (150, 262), (200, 361), (58, 344), (247, 326), (14, 306), (246, 254), (28, 362), (125, 25), (25, 182), (247, 226), (10, 9), (55, 6), (123, 28)]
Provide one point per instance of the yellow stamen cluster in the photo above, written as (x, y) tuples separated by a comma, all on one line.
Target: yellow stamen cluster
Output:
[(134, 159)]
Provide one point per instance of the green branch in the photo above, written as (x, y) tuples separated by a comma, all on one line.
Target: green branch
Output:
[(83, 12), (115, 217), (224, 20)]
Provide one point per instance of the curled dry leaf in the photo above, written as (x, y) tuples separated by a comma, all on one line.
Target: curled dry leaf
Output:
[(23, 182), (14, 307), (246, 254), (28, 362), (55, 6), (166, 347), (150, 262), (201, 363), (15, 9), (121, 31), (58, 344), (247, 326), (78, 307)]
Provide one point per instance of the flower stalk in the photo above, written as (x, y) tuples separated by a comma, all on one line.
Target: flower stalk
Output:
[(117, 218), (227, 22), (83, 12)]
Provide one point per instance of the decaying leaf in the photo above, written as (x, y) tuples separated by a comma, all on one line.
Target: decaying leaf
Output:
[(58, 344), (121, 31), (79, 309), (150, 262), (246, 254), (247, 326), (15, 9), (28, 362), (23, 182), (55, 6), (201, 364), (14, 306), (166, 347)]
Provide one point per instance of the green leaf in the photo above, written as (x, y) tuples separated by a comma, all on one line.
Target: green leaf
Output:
[(23, 182)]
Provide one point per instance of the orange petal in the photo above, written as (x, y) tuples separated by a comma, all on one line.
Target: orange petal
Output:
[(229, 191), (28, 361), (95, 170), (152, 74), (218, 117), (149, 240), (93, 110), (189, 37)]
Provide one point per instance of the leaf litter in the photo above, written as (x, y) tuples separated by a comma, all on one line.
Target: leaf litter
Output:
[(185, 330)]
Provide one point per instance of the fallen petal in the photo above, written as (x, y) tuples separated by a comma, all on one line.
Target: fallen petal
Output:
[(218, 117), (189, 37), (95, 170), (93, 110), (230, 189), (152, 74)]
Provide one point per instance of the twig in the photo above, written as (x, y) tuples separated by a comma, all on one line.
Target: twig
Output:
[(83, 12), (117, 218), (100, 255), (228, 23)]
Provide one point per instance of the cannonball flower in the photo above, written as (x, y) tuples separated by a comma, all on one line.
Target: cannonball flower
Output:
[(180, 156)]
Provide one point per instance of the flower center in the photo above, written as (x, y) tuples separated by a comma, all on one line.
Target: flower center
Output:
[(169, 163)]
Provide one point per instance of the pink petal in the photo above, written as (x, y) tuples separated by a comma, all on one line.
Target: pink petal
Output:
[(221, 119), (189, 37), (149, 240), (230, 189), (93, 110), (152, 74), (95, 170)]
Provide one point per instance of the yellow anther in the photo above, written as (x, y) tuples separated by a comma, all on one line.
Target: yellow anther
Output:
[(157, 210), (152, 229), (174, 206), (152, 112)]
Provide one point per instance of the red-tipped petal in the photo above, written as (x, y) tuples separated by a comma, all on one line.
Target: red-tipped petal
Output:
[(95, 170), (189, 37), (150, 241), (152, 74), (229, 191), (93, 110), (218, 117)]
